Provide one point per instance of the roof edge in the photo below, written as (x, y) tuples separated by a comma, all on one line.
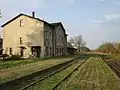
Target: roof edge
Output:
[(24, 15)]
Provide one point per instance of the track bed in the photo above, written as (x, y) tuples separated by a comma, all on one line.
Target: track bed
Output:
[(95, 74), (28, 79), (53, 81)]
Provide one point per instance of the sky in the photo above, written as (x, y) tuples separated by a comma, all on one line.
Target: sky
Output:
[(98, 21)]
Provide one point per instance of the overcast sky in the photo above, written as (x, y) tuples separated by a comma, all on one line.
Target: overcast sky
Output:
[(97, 20)]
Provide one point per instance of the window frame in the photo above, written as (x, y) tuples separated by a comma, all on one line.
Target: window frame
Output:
[(21, 40), (21, 22), (10, 50)]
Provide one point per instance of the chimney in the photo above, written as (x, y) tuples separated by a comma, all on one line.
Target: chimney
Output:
[(33, 14)]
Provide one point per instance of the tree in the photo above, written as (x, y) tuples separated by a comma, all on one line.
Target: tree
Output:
[(85, 49), (78, 42), (117, 47), (0, 14), (107, 48)]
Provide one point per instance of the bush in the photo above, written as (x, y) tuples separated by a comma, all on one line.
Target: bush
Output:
[(4, 56), (14, 57)]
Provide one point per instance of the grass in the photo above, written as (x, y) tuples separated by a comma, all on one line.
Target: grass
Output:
[(14, 63), (8, 74), (9, 64), (115, 57), (53, 80), (94, 74)]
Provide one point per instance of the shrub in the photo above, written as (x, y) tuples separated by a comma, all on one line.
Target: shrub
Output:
[(14, 57), (4, 56)]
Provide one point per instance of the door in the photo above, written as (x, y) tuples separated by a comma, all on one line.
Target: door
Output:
[(36, 51), (21, 52)]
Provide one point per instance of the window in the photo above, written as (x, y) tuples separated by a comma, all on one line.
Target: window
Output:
[(60, 51), (57, 51), (21, 22), (21, 40), (59, 39), (10, 51), (46, 35), (46, 51), (50, 51), (50, 35), (32, 50)]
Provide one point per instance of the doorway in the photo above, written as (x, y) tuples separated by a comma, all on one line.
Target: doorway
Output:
[(36, 50), (22, 51)]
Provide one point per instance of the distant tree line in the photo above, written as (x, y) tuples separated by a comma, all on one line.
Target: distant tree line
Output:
[(108, 47)]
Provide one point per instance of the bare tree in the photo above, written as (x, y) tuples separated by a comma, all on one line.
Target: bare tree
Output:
[(78, 42), (0, 14)]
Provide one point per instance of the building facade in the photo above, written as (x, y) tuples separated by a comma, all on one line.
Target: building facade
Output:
[(27, 36)]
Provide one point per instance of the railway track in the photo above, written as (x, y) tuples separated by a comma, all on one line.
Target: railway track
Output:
[(32, 84), (35, 77), (54, 88), (114, 65)]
